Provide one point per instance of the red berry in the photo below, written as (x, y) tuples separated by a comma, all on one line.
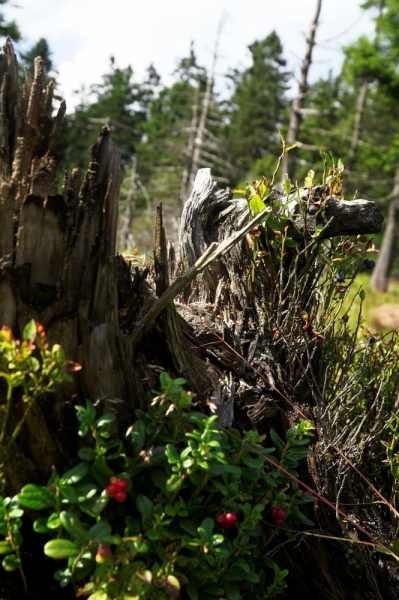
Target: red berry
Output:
[(231, 518), (274, 511), (120, 496), (103, 554), (122, 485), (111, 489), (277, 522), (220, 519), (280, 514), (225, 525), (113, 480)]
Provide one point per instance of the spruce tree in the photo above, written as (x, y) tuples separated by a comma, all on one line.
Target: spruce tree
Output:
[(258, 104)]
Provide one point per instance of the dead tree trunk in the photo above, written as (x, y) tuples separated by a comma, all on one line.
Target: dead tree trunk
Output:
[(380, 276), (299, 100), (356, 128)]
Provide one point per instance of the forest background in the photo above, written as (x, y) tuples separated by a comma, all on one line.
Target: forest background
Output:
[(166, 132)]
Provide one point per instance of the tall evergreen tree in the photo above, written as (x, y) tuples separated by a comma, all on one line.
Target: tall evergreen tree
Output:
[(258, 104), (40, 48), (166, 151), (118, 102), (8, 28)]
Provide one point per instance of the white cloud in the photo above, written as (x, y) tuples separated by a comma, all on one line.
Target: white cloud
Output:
[(83, 34)]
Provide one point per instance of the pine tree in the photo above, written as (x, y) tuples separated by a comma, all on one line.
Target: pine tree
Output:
[(118, 102), (258, 105), (8, 28)]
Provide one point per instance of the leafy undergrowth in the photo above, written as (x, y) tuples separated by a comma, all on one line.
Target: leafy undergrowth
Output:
[(178, 508)]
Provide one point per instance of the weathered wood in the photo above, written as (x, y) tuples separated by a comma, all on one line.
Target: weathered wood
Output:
[(184, 358), (57, 260)]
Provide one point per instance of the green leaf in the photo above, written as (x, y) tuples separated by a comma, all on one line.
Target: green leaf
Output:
[(11, 562), (54, 521), (100, 503), (30, 331), (191, 589), (68, 493), (231, 591), (73, 526), (138, 434), (75, 474), (254, 463), (217, 469), (64, 576), (87, 454), (40, 525), (85, 491), (101, 471), (207, 524), (256, 204), (280, 445), (144, 504), (188, 527), (83, 567), (235, 573), (35, 497), (309, 179), (173, 483), (60, 549), (172, 454), (105, 420), (170, 510), (15, 513), (212, 589), (100, 530), (231, 469), (5, 547)]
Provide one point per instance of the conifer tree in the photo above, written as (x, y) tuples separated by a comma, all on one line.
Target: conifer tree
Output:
[(258, 104)]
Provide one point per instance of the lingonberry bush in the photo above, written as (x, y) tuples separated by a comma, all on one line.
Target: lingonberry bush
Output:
[(178, 507), (181, 507)]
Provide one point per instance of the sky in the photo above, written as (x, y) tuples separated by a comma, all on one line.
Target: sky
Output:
[(83, 34)]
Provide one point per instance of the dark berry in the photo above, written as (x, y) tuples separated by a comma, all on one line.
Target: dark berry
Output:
[(231, 518), (120, 496), (312, 210), (122, 485), (339, 277), (372, 339), (111, 489), (370, 265)]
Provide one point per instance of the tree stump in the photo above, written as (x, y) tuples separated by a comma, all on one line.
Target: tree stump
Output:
[(204, 310)]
